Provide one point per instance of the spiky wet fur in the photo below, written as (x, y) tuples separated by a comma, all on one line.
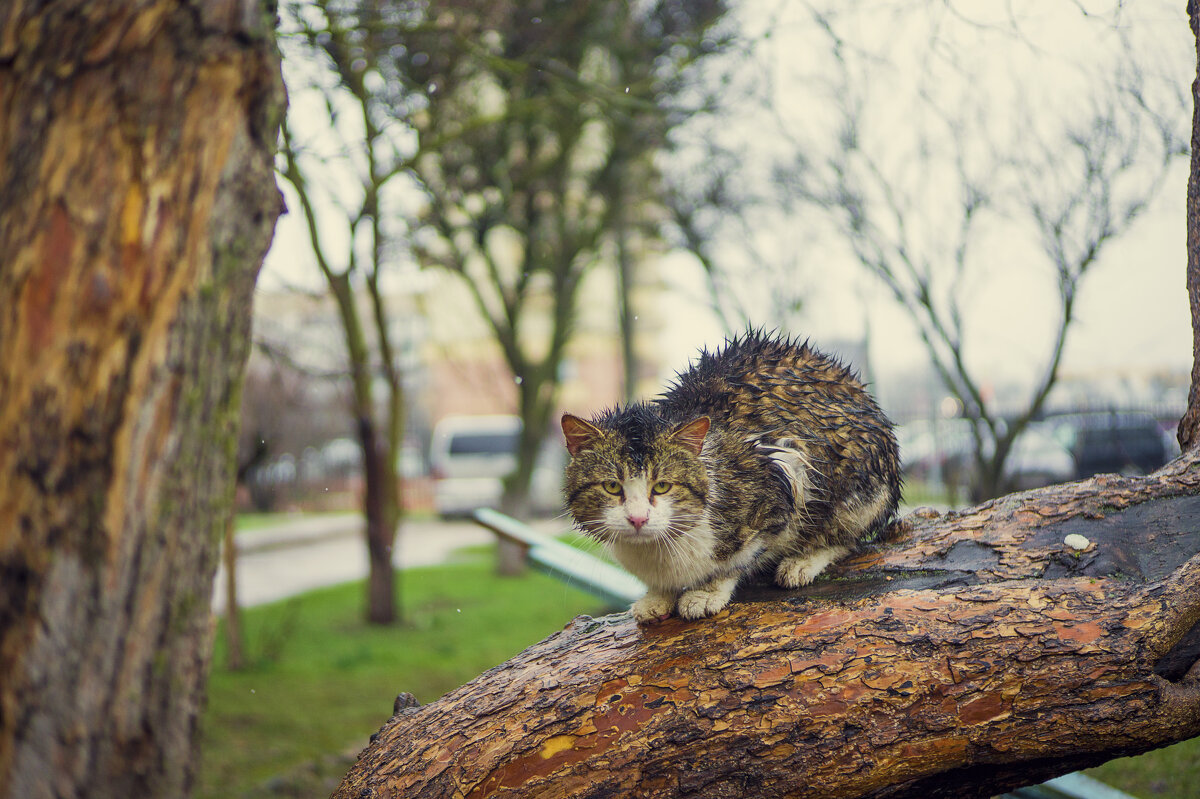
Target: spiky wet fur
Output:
[(798, 467)]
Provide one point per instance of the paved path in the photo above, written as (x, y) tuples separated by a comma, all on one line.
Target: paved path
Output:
[(316, 551)]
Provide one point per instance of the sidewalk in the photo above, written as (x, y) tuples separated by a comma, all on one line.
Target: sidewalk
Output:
[(313, 552), (301, 530)]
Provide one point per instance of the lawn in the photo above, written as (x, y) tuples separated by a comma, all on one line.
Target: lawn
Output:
[(1172, 772), (322, 681)]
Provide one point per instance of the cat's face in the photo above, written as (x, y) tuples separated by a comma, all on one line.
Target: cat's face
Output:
[(633, 477)]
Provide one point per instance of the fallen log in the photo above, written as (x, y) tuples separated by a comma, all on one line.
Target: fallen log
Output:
[(972, 653)]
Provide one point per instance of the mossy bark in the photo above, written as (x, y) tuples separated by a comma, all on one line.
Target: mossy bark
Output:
[(136, 202)]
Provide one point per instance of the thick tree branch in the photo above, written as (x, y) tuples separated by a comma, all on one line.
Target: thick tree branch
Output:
[(973, 653)]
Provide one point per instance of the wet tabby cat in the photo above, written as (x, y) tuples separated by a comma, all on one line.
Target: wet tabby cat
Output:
[(764, 454)]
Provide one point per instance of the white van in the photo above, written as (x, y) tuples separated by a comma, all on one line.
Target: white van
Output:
[(471, 455)]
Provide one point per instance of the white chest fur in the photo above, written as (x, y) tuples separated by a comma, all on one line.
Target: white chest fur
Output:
[(670, 563)]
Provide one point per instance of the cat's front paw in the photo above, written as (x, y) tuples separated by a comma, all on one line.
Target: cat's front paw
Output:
[(697, 603), (652, 607), (794, 572), (707, 601)]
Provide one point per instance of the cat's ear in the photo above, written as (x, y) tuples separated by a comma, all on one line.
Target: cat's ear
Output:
[(691, 434), (579, 434)]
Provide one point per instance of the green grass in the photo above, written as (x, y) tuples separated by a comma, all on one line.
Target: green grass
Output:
[(917, 493), (321, 680), (1172, 772)]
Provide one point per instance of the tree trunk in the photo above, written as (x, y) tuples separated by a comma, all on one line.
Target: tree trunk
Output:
[(537, 401), (515, 501), (234, 643), (1189, 426), (973, 653), (626, 318), (136, 201), (382, 517), (381, 500)]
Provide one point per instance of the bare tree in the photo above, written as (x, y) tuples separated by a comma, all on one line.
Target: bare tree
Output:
[(918, 209), (523, 183), (354, 271), (721, 205), (136, 201)]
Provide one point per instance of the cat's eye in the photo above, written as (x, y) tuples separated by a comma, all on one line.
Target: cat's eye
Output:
[(661, 487), (611, 486)]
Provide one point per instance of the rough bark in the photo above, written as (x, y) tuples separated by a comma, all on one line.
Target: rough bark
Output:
[(972, 653), (1189, 426), (136, 202)]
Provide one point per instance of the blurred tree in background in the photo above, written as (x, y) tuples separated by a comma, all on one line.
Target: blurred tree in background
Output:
[(524, 135), (917, 141), (326, 40), (537, 126)]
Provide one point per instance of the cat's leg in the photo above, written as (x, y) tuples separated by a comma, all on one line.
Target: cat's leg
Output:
[(654, 606), (863, 512), (708, 599), (852, 520), (797, 570)]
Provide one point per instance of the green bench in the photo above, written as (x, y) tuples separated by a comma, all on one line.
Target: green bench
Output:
[(614, 585), (1068, 786)]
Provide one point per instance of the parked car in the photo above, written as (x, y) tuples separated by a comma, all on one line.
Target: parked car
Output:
[(471, 455), (1106, 442), (1037, 459), (944, 453)]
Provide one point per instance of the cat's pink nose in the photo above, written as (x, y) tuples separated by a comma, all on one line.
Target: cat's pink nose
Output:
[(637, 521)]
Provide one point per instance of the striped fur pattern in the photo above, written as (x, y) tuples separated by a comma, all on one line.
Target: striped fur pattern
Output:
[(763, 455)]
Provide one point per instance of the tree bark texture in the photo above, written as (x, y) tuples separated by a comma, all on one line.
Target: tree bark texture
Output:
[(971, 653), (137, 199), (1189, 426)]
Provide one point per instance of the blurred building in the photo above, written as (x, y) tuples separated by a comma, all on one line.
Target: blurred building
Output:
[(469, 375), (452, 363)]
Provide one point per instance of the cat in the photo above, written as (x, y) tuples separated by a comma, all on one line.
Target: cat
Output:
[(764, 454)]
